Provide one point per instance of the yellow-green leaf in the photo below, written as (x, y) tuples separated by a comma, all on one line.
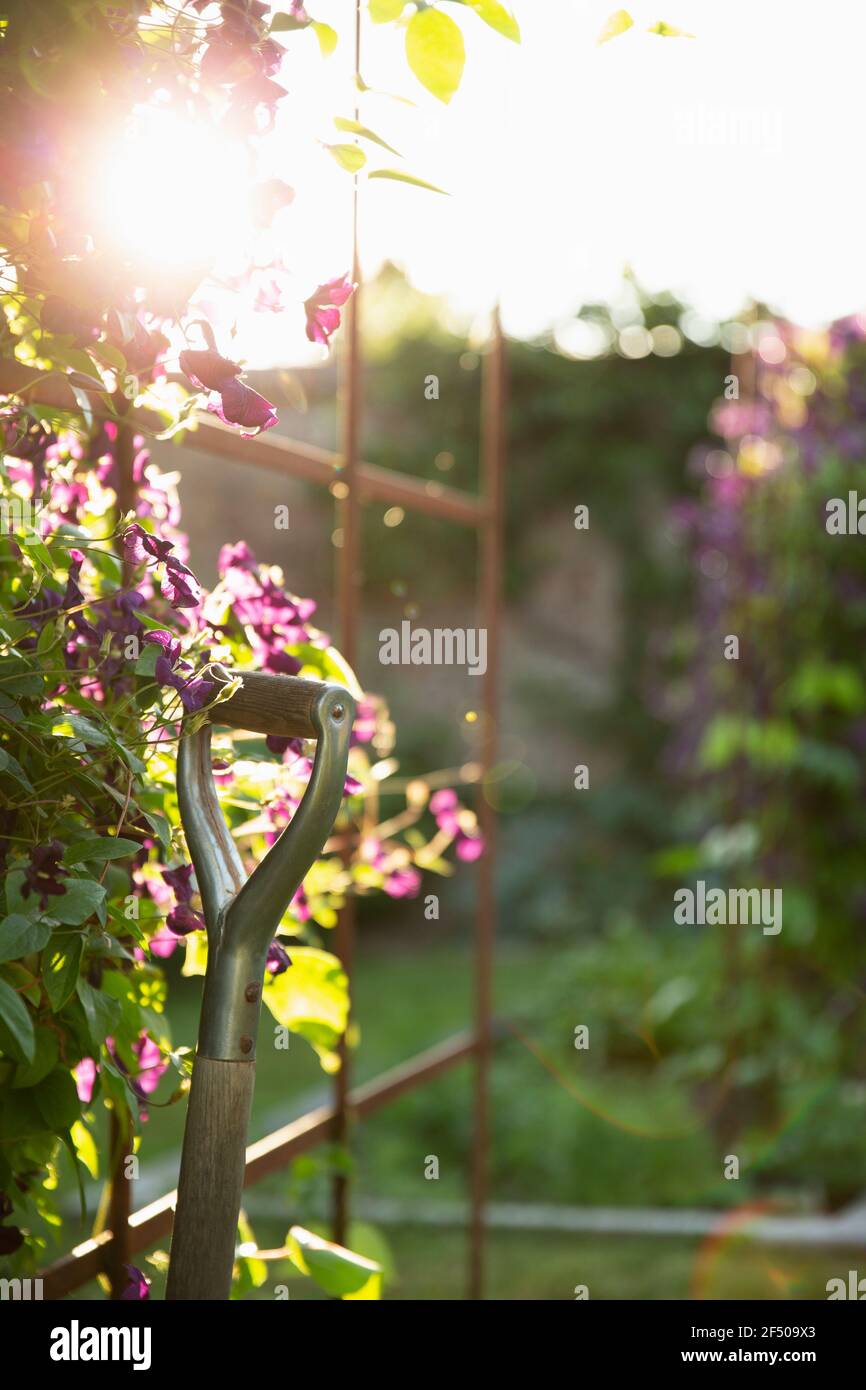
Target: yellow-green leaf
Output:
[(669, 31), (381, 11), (340, 1272), (311, 998), (435, 52), (355, 128), (497, 16), (400, 177), (615, 24), (327, 37), (85, 1148), (349, 157)]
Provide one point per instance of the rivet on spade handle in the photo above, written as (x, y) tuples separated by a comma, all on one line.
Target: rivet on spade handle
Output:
[(241, 916)]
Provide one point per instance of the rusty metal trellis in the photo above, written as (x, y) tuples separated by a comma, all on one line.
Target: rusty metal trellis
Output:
[(128, 1233), (113, 1247)]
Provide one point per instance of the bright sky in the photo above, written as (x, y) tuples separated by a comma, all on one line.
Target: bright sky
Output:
[(721, 168)]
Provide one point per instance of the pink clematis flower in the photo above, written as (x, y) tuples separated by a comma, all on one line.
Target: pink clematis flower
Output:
[(323, 308), (85, 1079)]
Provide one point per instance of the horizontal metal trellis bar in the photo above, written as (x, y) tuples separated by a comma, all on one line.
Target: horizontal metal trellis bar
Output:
[(280, 455), (264, 1157)]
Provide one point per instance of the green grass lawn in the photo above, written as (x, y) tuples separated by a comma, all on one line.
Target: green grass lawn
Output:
[(430, 1264), (562, 1133)]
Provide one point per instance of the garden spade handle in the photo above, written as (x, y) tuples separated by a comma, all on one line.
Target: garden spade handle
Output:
[(241, 915)]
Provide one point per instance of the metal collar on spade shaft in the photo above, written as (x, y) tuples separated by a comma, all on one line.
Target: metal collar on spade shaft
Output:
[(242, 914)]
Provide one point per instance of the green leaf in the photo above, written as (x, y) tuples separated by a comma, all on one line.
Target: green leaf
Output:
[(311, 998), (10, 710), (45, 1059), (328, 664), (615, 24), (61, 969), (435, 52), (99, 849), (82, 898), (355, 128), (110, 354), (497, 16), (669, 31), (160, 827), (19, 936), (327, 37), (382, 11), (37, 550), (77, 726), (338, 1271), (286, 23), (399, 177), (349, 157), (17, 1018), (146, 663), (15, 900), (57, 1099), (12, 768), (103, 1013)]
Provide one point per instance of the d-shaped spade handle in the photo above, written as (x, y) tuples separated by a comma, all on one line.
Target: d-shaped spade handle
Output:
[(241, 916)]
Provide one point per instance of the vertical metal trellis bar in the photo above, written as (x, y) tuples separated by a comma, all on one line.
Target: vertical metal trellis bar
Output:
[(490, 586), (347, 606)]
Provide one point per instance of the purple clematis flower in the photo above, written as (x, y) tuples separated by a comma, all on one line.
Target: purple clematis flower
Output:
[(278, 960), (402, 883), (141, 547), (179, 585), (241, 405), (208, 370), (194, 691), (151, 1064), (323, 308), (183, 918), (180, 882), (138, 1289), (468, 844)]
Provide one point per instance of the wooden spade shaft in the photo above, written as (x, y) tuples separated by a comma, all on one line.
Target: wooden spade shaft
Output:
[(241, 915)]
